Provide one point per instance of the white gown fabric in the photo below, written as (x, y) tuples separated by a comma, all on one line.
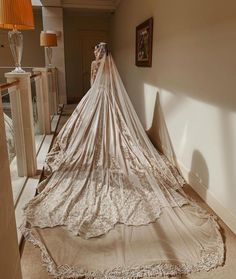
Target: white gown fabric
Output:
[(112, 206), (10, 137)]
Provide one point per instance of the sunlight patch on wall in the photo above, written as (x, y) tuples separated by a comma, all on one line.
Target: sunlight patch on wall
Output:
[(183, 142), (152, 97), (150, 94)]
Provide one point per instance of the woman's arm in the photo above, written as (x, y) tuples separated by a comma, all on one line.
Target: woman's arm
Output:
[(94, 68)]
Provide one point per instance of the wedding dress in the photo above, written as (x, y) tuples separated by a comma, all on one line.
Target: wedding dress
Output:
[(111, 205), (9, 137)]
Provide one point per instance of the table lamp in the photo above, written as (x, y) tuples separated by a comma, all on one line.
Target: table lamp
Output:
[(16, 15), (48, 40)]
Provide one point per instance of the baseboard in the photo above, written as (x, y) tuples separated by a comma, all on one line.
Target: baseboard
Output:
[(228, 217), (225, 214)]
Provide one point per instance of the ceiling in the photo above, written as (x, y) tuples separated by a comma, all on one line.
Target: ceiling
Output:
[(106, 5)]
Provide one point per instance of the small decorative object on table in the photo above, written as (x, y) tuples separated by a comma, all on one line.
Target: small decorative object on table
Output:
[(144, 38)]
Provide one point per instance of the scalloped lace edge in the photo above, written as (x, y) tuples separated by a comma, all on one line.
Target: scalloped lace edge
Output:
[(209, 260)]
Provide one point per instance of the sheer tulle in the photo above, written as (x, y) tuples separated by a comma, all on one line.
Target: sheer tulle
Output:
[(10, 137), (111, 197)]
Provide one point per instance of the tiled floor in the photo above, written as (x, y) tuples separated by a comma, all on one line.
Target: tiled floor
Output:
[(32, 267)]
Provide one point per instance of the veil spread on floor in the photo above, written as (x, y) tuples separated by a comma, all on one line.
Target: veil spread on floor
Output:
[(111, 205)]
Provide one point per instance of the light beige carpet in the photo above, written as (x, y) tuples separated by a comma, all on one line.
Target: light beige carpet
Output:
[(31, 261)]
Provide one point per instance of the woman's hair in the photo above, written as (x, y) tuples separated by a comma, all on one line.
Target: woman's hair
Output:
[(103, 47)]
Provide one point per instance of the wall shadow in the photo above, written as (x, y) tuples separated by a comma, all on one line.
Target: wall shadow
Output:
[(154, 132), (158, 132), (199, 173), (160, 138)]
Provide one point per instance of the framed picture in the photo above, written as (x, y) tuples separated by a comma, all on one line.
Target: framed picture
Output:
[(144, 37)]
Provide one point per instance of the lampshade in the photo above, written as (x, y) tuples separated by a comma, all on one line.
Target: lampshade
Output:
[(48, 39), (16, 14)]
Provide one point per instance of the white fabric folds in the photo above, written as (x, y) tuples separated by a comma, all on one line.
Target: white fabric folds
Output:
[(10, 137), (111, 205)]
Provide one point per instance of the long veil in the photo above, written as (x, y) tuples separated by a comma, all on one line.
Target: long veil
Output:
[(111, 205)]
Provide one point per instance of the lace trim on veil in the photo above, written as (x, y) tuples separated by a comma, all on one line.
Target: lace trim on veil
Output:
[(209, 260)]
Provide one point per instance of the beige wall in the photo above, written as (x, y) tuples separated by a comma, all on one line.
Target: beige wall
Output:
[(192, 84), (53, 21), (33, 53), (77, 25)]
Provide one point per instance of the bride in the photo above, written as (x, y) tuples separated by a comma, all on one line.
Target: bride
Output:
[(111, 205)]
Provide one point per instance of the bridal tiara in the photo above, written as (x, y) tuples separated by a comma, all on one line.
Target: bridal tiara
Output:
[(103, 46)]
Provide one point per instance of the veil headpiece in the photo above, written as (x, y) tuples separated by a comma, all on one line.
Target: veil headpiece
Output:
[(102, 49)]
